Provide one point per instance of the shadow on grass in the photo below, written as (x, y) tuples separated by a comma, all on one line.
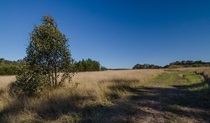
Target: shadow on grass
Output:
[(154, 104), (1, 91), (51, 109), (11, 109), (146, 104)]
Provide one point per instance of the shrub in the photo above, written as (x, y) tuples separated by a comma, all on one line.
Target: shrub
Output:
[(28, 82), (8, 70)]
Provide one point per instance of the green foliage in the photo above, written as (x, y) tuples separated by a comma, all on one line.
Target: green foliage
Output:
[(188, 63), (88, 65), (8, 70), (8, 62), (30, 81), (8, 67), (103, 68), (47, 53), (146, 66)]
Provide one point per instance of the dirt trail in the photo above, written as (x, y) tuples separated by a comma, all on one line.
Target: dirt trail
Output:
[(171, 97)]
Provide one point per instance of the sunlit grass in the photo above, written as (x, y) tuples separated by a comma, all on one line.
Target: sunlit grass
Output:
[(92, 93), (78, 100)]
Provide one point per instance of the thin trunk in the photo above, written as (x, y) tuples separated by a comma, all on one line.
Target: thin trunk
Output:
[(49, 78), (55, 76), (53, 83), (55, 67)]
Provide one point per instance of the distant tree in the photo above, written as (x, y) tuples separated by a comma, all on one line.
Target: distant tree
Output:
[(88, 65), (103, 68), (7, 62), (2, 61), (146, 66), (47, 53), (188, 63), (138, 66)]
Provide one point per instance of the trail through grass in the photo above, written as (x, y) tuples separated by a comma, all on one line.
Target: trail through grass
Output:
[(170, 97)]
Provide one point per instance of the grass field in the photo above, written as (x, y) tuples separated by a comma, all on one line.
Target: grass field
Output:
[(180, 95)]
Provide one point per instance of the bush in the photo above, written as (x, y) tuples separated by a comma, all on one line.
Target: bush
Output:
[(28, 82), (8, 70)]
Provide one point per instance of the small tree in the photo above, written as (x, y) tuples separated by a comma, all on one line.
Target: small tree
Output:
[(47, 54)]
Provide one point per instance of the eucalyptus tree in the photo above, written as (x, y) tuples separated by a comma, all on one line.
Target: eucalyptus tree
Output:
[(47, 54), (49, 50)]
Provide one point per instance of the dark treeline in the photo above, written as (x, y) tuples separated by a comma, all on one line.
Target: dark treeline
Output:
[(177, 64), (8, 67), (4, 62), (146, 66), (88, 65), (188, 63)]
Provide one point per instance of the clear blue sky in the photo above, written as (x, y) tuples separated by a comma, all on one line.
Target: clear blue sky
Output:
[(117, 33)]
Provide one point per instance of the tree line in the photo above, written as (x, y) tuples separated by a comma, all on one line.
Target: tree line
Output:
[(188, 63), (177, 64), (146, 66), (8, 67), (87, 65)]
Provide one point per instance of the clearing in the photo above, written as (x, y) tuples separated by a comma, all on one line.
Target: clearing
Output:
[(134, 96)]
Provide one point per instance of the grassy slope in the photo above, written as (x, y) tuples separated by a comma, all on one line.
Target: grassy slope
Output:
[(116, 96)]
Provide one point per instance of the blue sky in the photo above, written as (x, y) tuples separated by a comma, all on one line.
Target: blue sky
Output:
[(117, 33)]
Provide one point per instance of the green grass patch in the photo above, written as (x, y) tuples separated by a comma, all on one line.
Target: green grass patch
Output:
[(194, 82), (192, 78), (182, 88), (165, 80)]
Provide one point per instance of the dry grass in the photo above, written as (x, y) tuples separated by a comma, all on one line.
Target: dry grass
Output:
[(99, 83), (96, 96), (205, 71), (5, 81), (77, 101)]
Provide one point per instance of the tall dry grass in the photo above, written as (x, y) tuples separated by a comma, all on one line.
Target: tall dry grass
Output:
[(102, 83), (76, 101), (205, 71), (5, 81)]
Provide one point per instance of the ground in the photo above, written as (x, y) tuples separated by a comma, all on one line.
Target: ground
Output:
[(140, 96), (170, 97)]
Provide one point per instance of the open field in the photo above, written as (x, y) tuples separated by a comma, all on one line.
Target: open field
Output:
[(116, 96)]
